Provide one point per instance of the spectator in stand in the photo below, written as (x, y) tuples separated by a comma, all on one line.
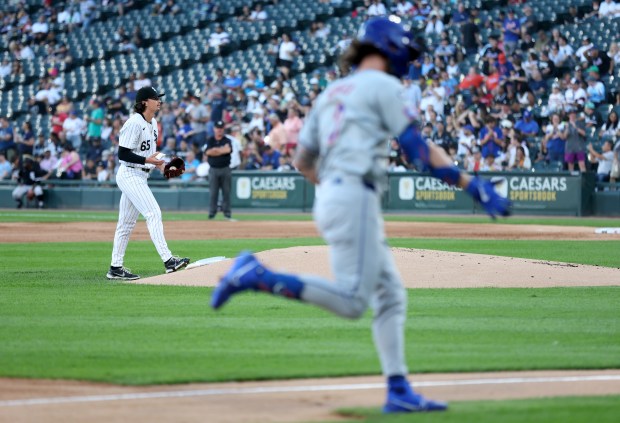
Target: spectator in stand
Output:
[(403, 8), (614, 53), (611, 128), (594, 12), (257, 121), (555, 138), (287, 51), (271, 158), (489, 54), (89, 171), (557, 56), (40, 30), (490, 138), (5, 67), (517, 79), (604, 160), (434, 26), (7, 138), (342, 44), (433, 96), (233, 80), (586, 45), (445, 50), (94, 151), (95, 120), (191, 164), (466, 141), (277, 137), (142, 81), (460, 16), (595, 91), (103, 174), (529, 23), (608, 9), (541, 42), (40, 145), (566, 50), (25, 140), (218, 105), (123, 41), (87, 10), (441, 137), (527, 126), (575, 143), (70, 166), (474, 160), (472, 80), (376, 8), (6, 170), (470, 36), (123, 5), (74, 127), (511, 29), (245, 15), (70, 18), (258, 14), (45, 98), (546, 66), (169, 7), (536, 83), (292, 124), (556, 102), (601, 60), (137, 38), (49, 161), (527, 42), (206, 8), (491, 164), (251, 157), (199, 117), (521, 162), (170, 147), (591, 116), (219, 37), (575, 96), (185, 131)]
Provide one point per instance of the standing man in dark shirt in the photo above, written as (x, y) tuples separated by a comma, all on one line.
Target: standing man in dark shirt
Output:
[(218, 150), (470, 36)]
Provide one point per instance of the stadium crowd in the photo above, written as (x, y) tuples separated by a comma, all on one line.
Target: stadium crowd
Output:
[(522, 98)]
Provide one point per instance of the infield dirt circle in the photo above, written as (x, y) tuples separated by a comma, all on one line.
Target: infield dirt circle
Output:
[(312, 400)]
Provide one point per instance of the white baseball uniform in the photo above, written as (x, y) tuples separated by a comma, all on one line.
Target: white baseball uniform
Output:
[(349, 128), (140, 137)]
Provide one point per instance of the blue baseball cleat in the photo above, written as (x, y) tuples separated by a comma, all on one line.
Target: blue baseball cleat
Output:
[(405, 400), (243, 275)]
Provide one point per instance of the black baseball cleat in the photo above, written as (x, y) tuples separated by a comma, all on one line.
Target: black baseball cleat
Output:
[(175, 263), (121, 274)]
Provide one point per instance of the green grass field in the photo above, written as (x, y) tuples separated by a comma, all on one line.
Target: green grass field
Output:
[(61, 319)]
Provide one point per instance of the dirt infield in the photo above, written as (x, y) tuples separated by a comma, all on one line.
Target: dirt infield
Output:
[(311, 400), (188, 230)]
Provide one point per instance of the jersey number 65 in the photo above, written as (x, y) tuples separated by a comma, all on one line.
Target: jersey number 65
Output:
[(146, 145)]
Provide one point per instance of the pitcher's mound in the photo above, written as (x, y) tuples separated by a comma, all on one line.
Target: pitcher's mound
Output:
[(419, 269)]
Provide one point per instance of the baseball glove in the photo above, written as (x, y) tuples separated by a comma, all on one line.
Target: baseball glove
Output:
[(174, 168)]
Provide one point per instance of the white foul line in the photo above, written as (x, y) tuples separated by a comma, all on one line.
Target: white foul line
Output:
[(280, 389)]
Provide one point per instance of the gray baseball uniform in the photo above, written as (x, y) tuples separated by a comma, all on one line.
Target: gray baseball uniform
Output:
[(140, 137), (349, 128)]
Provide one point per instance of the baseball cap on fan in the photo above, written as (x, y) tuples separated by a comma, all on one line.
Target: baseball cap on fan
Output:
[(147, 93), (219, 124)]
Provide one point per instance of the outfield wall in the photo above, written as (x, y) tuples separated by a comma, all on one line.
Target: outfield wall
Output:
[(531, 193)]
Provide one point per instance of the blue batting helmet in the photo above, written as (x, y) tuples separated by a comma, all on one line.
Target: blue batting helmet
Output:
[(393, 41)]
